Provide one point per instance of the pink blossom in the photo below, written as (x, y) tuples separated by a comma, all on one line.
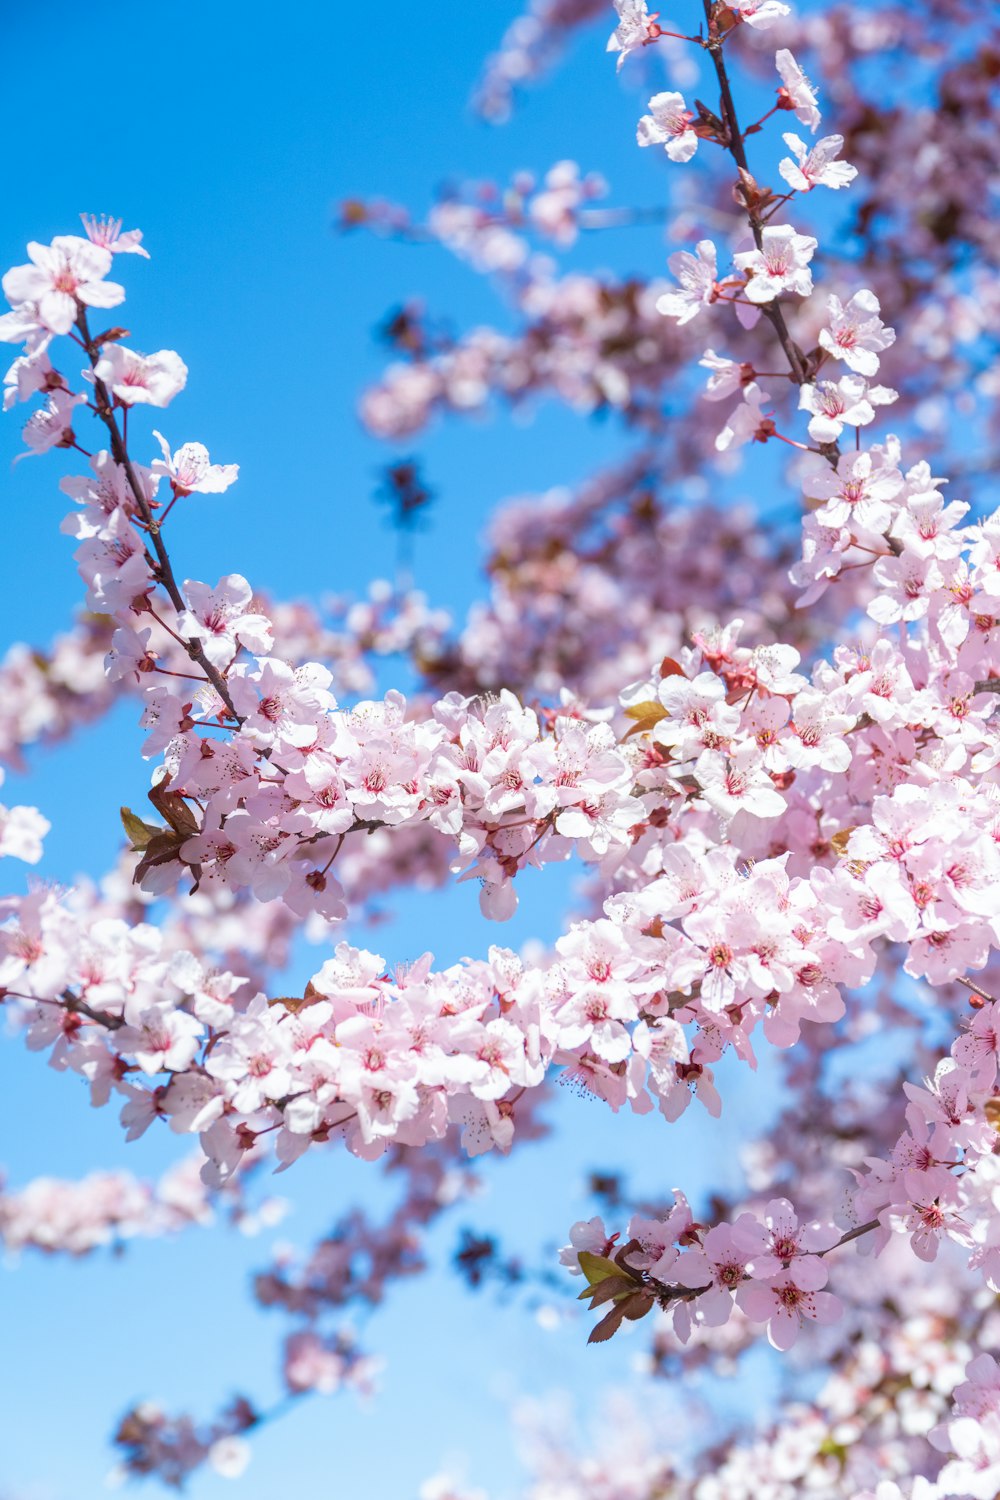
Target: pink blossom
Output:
[(149, 379), (796, 92), (31, 373), (780, 265), (727, 376), (52, 425), (784, 1302), (816, 167), (773, 1245), (848, 402), (720, 1266), (63, 276), (190, 470), (221, 618), (857, 491), (635, 28), (698, 275), (855, 332), (748, 422), (160, 1038), (761, 14), (589, 1235), (738, 783), (107, 233), (669, 124)]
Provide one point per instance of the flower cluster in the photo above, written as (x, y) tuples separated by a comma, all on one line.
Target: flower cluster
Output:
[(769, 1267)]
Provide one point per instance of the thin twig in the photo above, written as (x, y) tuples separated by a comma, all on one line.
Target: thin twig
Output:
[(105, 410), (737, 149)]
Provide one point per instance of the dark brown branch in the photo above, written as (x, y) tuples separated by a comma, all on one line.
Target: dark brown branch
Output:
[(737, 149), (105, 411), (76, 1006)]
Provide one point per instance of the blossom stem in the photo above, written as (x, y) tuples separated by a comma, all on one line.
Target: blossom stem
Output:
[(173, 502), (105, 411), (753, 129), (852, 1234), (737, 150), (76, 1006)]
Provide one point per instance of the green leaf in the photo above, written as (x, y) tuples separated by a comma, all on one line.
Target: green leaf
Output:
[(597, 1268), (137, 832)]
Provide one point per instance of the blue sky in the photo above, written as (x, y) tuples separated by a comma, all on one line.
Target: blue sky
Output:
[(228, 133)]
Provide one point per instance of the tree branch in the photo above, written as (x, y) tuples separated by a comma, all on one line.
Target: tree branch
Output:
[(119, 451), (737, 149)]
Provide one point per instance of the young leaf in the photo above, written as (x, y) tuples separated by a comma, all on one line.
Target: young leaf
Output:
[(608, 1325), (597, 1267), (646, 715), (137, 832)]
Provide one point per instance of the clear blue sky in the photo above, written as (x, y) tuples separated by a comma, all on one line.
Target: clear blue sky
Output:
[(228, 133)]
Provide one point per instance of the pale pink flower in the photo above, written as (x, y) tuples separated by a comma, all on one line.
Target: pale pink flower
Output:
[(146, 379), (784, 1302), (738, 783), (635, 28), (855, 332), (773, 668), (817, 167), (748, 422), (222, 619), (23, 326), (780, 265), (978, 1047), (108, 234), (760, 14), (770, 1246), (113, 564), (669, 124), (190, 469), (727, 375), (229, 1456), (796, 92), (129, 654), (720, 1266), (484, 1126), (975, 1470), (252, 1058), (698, 716), (848, 402), (161, 1038), (162, 714), (29, 374), (929, 528), (720, 961), (589, 1235), (52, 425), (905, 586), (818, 727), (64, 276), (310, 1365), (274, 697), (857, 492), (697, 275)]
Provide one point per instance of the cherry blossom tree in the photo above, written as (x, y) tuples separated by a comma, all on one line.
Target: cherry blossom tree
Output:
[(770, 746)]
